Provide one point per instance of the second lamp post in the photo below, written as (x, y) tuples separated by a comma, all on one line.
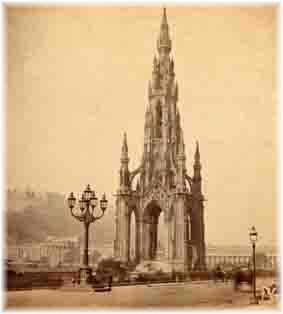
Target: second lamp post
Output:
[(253, 239)]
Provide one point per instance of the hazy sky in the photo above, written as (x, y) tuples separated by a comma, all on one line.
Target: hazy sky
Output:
[(77, 79)]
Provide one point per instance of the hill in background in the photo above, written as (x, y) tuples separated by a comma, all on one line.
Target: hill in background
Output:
[(32, 217)]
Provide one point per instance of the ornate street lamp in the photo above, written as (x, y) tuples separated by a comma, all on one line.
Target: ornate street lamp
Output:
[(87, 204), (253, 239)]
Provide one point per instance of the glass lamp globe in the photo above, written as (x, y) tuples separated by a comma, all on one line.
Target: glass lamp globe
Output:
[(103, 203), (253, 235), (93, 200), (87, 193), (71, 200)]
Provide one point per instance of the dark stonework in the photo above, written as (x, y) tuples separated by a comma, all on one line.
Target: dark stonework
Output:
[(163, 184)]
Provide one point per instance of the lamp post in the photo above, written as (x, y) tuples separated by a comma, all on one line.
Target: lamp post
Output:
[(87, 204), (253, 239)]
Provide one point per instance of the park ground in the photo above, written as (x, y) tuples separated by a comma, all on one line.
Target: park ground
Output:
[(174, 295)]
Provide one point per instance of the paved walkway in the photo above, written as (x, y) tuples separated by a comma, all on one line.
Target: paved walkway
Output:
[(196, 295)]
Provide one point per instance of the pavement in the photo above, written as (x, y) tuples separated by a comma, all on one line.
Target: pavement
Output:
[(173, 295)]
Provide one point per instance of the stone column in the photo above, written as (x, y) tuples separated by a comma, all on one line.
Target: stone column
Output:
[(180, 251), (155, 236), (127, 236), (167, 228), (187, 251), (151, 237), (145, 238), (123, 230), (171, 238), (116, 240), (138, 240)]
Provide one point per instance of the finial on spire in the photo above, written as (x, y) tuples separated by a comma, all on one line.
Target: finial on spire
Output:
[(197, 165), (125, 145), (164, 42), (164, 18), (197, 154), (155, 64)]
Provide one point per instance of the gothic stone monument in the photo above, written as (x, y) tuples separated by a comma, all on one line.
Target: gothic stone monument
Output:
[(163, 184)]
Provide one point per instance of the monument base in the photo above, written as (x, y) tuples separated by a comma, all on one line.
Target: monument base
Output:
[(167, 266)]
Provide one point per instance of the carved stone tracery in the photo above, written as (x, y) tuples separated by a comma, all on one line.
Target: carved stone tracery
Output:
[(161, 185)]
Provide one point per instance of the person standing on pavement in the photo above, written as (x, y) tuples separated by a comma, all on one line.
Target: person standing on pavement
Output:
[(110, 282)]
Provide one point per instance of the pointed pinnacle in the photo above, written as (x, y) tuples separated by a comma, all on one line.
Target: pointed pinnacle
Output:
[(155, 64), (138, 185), (197, 154), (181, 144), (125, 145), (154, 60), (164, 18), (178, 114)]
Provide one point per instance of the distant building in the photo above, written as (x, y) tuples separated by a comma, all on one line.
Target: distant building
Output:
[(266, 257), (60, 251), (23, 253)]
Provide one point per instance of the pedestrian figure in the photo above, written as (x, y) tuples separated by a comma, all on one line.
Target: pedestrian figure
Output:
[(268, 292), (73, 281), (110, 282)]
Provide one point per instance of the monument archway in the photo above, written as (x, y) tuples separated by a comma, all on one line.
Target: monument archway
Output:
[(151, 220)]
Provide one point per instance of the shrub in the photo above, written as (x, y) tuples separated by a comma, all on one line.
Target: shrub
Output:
[(200, 275)]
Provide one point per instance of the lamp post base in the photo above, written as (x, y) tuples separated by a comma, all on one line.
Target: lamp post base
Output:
[(254, 300), (85, 275)]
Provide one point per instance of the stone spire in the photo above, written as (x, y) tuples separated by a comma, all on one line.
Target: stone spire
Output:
[(164, 18), (181, 160), (197, 170), (161, 176), (124, 154), (124, 170), (164, 42), (197, 154)]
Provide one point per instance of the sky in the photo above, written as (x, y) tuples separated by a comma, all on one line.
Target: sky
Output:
[(77, 79)]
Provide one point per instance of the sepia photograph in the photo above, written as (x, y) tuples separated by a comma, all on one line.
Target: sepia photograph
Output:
[(141, 156)]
